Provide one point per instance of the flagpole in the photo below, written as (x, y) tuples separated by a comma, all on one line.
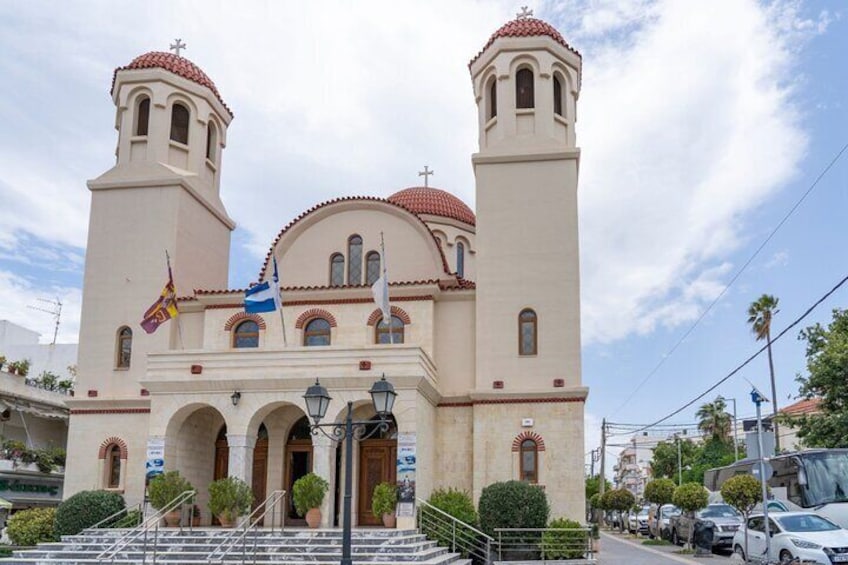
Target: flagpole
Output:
[(176, 304), (383, 251), (277, 293)]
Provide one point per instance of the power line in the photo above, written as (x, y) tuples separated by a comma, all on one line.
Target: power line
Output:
[(749, 359), (734, 278)]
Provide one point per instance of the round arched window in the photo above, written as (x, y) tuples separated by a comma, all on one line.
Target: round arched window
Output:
[(529, 461), (317, 332), (246, 334), (384, 336)]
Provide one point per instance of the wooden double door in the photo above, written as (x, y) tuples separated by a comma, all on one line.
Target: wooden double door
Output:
[(377, 464)]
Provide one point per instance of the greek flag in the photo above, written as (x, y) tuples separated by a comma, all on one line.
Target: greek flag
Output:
[(260, 298)]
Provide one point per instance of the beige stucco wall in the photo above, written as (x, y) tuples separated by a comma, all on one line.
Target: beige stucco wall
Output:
[(454, 343), (449, 232), (454, 448)]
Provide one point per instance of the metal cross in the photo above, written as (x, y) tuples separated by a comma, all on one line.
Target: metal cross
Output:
[(176, 47), (525, 12), (426, 174)]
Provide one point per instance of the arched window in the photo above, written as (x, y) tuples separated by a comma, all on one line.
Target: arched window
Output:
[(122, 360), (179, 123), (317, 332), (529, 461), (354, 260), (557, 96), (336, 269), (372, 267), (460, 259), (113, 469), (246, 334), (527, 338), (142, 116), (382, 331), (493, 98), (211, 140), (524, 89)]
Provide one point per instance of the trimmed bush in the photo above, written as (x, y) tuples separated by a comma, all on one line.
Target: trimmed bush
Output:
[(31, 527), (565, 545), (86, 508), (660, 491), (456, 503), (512, 504)]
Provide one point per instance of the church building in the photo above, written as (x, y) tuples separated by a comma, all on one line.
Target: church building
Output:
[(483, 348)]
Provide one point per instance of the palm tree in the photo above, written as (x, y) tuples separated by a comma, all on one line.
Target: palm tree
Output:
[(760, 314), (714, 421)]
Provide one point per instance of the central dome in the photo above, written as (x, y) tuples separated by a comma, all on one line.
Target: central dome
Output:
[(425, 200), (526, 27)]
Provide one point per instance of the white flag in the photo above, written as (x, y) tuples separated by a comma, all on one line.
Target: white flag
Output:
[(380, 290)]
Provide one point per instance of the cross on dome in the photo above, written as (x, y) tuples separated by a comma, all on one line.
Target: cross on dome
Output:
[(426, 174), (177, 47), (525, 13)]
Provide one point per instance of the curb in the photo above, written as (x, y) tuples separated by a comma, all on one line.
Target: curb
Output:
[(649, 549)]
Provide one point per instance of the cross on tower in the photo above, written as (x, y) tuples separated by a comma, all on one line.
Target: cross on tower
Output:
[(178, 46), (426, 174), (524, 13)]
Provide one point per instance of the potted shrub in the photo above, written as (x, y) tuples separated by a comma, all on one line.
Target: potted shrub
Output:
[(228, 499), (23, 367), (12, 367), (163, 489), (308, 493), (384, 502)]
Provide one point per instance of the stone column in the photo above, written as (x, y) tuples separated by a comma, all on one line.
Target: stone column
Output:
[(241, 457), (323, 465)]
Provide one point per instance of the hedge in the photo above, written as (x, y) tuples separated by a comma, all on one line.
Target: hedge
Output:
[(86, 508), (31, 527), (512, 504)]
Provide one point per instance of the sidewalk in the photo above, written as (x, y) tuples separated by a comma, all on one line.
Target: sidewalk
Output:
[(617, 548)]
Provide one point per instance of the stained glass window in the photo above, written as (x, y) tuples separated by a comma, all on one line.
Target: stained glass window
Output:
[(246, 334), (383, 335), (354, 257), (317, 332), (372, 267), (529, 460), (527, 338), (124, 348), (337, 269)]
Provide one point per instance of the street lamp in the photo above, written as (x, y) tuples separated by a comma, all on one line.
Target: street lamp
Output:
[(758, 398), (317, 401), (735, 435)]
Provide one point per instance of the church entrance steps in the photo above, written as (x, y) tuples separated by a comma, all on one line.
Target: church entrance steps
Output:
[(290, 546)]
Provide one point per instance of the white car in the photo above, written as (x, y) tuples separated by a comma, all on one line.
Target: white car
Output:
[(803, 535)]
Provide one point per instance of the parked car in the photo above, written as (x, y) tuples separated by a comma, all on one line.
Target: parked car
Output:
[(659, 520), (726, 519), (794, 535), (637, 522)]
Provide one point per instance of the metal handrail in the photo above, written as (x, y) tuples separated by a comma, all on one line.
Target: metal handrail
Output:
[(108, 518), (462, 537), (533, 540), (248, 524), (150, 523)]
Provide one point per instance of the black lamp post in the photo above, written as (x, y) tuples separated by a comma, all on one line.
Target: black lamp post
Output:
[(317, 401)]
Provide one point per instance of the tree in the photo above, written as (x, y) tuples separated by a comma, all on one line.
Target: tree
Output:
[(664, 460), (760, 314), (593, 485), (827, 368), (659, 491), (690, 497), (742, 492), (620, 500), (714, 421)]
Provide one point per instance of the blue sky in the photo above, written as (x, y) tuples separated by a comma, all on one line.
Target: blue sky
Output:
[(701, 125)]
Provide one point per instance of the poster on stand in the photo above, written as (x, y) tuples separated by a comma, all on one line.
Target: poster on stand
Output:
[(406, 465), (155, 464)]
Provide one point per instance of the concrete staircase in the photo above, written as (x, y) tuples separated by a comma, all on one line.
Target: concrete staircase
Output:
[(266, 547)]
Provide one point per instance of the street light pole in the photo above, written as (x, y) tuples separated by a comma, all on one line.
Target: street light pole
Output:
[(317, 400), (758, 399)]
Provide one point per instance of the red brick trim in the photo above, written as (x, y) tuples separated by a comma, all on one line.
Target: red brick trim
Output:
[(110, 442), (510, 401), (82, 411), (241, 316), (313, 313), (516, 443), (377, 315), (318, 302)]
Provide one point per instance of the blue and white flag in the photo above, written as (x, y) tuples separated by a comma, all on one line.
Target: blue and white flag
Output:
[(260, 298)]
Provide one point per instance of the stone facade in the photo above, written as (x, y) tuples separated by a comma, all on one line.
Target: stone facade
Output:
[(477, 406)]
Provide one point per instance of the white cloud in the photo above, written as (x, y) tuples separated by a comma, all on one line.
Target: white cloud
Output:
[(19, 293), (779, 259)]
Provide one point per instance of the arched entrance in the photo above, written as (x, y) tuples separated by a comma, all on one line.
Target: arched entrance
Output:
[(377, 464), (260, 467), (298, 462)]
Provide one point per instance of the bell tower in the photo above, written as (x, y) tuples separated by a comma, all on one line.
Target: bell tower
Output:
[(526, 82)]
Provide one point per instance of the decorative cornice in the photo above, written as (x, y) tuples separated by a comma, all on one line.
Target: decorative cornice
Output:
[(511, 401), (83, 411)]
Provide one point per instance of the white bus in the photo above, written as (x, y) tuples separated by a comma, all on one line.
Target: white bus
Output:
[(815, 479)]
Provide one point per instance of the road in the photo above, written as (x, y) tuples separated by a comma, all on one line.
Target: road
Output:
[(618, 551)]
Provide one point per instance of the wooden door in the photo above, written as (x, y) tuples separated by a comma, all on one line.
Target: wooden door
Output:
[(377, 464), (222, 459), (260, 471), (298, 463)]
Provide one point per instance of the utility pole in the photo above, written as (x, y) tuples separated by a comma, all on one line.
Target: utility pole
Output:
[(602, 480)]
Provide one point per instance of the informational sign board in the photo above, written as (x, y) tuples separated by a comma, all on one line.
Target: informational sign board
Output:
[(155, 464), (406, 467)]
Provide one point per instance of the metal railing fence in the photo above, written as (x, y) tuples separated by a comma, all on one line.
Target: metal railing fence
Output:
[(544, 544), (454, 534), (250, 523)]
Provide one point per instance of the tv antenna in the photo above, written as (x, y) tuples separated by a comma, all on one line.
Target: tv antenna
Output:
[(55, 310)]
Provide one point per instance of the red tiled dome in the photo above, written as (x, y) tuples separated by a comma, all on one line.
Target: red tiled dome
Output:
[(178, 65), (526, 27), (423, 200)]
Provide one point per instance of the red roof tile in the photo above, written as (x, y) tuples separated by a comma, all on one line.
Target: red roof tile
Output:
[(424, 200), (805, 406), (526, 27), (178, 65)]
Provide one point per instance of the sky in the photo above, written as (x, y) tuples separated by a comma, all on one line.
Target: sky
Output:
[(701, 126)]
